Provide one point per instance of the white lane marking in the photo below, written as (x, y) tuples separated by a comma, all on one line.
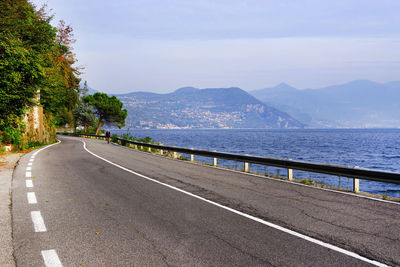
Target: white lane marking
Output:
[(28, 168), (28, 174), (272, 225), (31, 198), (29, 183), (50, 258), (269, 178), (31, 160), (36, 152), (29, 163), (38, 222)]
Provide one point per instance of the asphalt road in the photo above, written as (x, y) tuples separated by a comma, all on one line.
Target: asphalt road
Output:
[(97, 214)]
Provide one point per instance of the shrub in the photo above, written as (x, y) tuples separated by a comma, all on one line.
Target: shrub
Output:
[(114, 138), (12, 136)]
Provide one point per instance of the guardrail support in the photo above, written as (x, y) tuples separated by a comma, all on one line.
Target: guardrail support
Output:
[(290, 174), (353, 173), (175, 155), (161, 152), (356, 185), (215, 161), (149, 149)]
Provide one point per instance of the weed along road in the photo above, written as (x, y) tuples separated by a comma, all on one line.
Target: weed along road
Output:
[(85, 203)]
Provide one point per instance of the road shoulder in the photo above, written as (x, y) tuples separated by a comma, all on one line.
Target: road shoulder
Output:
[(8, 162)]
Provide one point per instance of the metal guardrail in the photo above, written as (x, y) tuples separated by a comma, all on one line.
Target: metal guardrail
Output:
[(343, 171)]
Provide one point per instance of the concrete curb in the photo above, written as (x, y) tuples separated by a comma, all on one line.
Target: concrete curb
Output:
[(8, 162)]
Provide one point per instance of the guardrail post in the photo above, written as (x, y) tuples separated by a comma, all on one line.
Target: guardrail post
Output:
[(175, 155), (290, 174), (215, 161), (246, 167), (191, 157), (356, 185), (161, 152), (149, 149), (135, 146)]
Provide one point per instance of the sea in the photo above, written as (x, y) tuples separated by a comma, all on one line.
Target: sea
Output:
[(377, 149)]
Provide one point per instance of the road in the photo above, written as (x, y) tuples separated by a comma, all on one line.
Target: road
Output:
[(113, 206)]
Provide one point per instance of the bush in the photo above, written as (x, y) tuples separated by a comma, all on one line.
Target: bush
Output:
[(11, 136), (114, 138), (32, 144), (147, 139)]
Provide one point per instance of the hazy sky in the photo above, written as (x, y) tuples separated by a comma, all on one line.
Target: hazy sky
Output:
[(161, 45)]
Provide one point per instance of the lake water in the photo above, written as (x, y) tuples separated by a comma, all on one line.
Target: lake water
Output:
[(366, 148)]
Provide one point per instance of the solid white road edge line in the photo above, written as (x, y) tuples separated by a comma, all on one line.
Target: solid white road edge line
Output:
[(277, 227), (28, 183), (31, 198), (272, 179), (50, 258), (38, 222)]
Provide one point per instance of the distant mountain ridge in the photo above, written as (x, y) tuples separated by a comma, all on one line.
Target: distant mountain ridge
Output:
[(189, 107), (357, 104)]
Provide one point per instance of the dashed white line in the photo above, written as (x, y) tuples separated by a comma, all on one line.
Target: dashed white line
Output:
[(29, 183), (50, 258), (272, 225), (28, 174), (30, 164), (31, 198), (31, 159), (38, 222), (28, 168)]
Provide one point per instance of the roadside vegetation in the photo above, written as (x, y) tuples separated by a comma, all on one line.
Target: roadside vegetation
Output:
[(36, 62), (38, 70)]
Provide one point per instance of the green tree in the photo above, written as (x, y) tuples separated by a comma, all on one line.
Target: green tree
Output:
[(108, 109), (35, 56), (20, 74), (84, 115)]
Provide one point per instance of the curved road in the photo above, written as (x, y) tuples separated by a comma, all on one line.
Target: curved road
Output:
[(71, 206)]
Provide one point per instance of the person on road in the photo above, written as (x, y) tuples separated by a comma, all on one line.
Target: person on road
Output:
[(108, 136)]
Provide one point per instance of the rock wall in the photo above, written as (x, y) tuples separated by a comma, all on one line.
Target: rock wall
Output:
[(38, 126)]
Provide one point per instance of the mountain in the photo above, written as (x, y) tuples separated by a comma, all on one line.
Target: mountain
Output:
[(357, 104), (190, 107)]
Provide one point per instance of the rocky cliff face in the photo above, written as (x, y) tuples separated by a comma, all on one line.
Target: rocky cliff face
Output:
[(37, 126)]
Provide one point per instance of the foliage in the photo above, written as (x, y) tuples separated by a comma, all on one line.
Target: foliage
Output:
[(307, 181), (12, 136), (34, 55), (19, 75), (32, 144), (147, 139), (114, 138), (108, 109), (84, 114)]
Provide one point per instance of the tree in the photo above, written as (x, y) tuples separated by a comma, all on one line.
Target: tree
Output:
[(19, 75), (61, 93), (34, 56), (84, 115), (108, 109)]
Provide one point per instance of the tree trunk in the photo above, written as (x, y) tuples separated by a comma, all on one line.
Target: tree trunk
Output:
[(98, 126)]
